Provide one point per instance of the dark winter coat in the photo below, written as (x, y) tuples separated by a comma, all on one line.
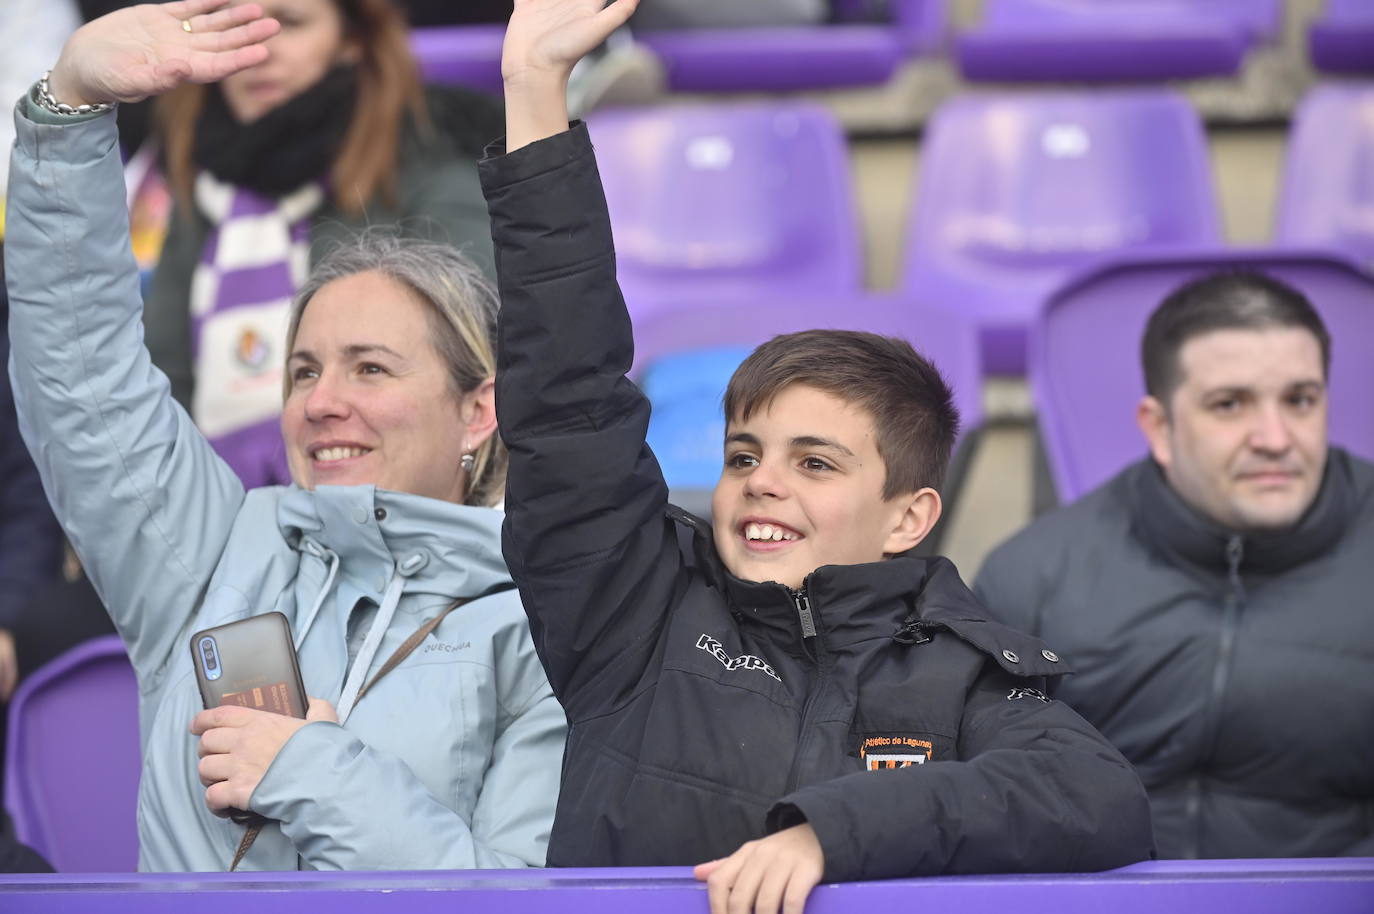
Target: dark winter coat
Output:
[(1235, 672), (706, 711)]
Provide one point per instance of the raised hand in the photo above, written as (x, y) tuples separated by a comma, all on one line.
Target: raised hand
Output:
[(145, 50), (543, 41), (546, 37)]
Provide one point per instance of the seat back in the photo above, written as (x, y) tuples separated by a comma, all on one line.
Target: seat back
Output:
[(1085, 369), (1328, 183), (687, 428), (1340, 40), (1018, 190), (1112, 40), (728, 200), (72, 763), (465, 55), (1043, 182), (1260, 19)]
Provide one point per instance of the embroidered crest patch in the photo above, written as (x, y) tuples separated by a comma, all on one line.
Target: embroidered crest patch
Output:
[(878, 752), (252, 351)]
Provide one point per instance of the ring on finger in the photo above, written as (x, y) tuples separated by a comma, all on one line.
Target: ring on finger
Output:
[(186, 25)]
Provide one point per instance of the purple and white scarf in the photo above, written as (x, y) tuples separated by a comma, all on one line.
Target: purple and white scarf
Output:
[(256, 256)]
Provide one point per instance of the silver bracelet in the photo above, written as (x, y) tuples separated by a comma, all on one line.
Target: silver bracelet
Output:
[(43, 97)]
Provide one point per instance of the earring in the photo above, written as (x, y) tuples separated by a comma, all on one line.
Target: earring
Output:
[(468, 463)]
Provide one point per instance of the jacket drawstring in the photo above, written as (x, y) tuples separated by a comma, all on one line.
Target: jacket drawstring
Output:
[(358, 674), (322, 554)]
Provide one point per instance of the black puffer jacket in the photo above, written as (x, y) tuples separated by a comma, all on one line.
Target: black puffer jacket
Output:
[(1236, 673), (701, 714)]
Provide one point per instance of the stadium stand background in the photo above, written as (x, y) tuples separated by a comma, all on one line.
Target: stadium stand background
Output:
[(1247, 118)]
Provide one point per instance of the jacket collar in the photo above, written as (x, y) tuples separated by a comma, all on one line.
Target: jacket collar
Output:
[(887, 600), (1169, 523), (441, 547)]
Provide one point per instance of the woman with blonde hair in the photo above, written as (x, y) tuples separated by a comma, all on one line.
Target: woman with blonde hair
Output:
[(272, 167), (432, 739)]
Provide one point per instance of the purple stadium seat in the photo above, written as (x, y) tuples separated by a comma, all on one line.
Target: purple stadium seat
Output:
[(1055, 40), (466, 55), (1016, 191), (1342, 40), (72, 765), (728, 201), (1328, 186), (805, 57), (1085, 370)]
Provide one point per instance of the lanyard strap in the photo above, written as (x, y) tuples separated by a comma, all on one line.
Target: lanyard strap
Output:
[(407, 647)]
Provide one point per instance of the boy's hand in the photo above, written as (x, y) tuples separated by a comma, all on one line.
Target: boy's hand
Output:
[(543, 41), (238, 745), (546, 37), (772, 874)]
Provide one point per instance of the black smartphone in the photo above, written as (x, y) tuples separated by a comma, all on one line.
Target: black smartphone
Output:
[(250, 663)]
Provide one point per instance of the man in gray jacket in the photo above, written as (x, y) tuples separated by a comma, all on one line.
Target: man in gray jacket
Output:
[(1217, 598)]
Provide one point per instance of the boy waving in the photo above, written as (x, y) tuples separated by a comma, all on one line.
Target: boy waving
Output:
[(782, 693)]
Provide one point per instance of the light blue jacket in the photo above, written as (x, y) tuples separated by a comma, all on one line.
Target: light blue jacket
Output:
[(451, 761)]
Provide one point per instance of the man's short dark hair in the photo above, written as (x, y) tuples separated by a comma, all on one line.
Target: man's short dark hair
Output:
[(913, 411), (1231, 300)]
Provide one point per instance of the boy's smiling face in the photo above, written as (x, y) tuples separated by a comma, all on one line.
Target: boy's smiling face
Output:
[(802, 487)]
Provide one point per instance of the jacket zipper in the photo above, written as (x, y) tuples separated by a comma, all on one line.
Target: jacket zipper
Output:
[(1221, 674), (811, 643)]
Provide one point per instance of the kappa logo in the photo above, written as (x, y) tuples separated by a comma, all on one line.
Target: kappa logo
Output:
[(894, 752), (744, 662), (1015, 694)]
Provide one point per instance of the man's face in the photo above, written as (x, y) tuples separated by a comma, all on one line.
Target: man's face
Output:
[(802, 487), (1243, 440)]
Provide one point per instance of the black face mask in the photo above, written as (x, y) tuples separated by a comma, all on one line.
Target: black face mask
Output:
[(292, 144)]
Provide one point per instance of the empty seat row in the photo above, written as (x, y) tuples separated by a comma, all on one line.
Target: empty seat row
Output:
[(1015, 40), (734, 223), (1016, 192)]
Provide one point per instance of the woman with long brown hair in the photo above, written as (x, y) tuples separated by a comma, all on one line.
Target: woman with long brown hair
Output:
[(273, 167)]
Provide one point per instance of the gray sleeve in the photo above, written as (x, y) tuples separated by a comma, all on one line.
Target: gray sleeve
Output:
[(1008, 586), (143, 498)]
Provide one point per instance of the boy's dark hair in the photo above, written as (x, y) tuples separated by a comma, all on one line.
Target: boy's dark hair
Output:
[(911, 405), (1232, 300)]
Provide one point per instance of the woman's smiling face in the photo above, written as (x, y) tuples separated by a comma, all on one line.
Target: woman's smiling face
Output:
[(371, 400)]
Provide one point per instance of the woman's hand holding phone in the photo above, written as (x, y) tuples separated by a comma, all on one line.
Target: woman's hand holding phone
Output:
[(238, 745)]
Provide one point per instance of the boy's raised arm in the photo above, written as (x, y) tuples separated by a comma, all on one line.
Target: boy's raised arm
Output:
[(586, 536), (544, 39)]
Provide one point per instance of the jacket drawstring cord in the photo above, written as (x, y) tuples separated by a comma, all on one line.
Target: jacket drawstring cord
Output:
[(324, 555), (358, 674)]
